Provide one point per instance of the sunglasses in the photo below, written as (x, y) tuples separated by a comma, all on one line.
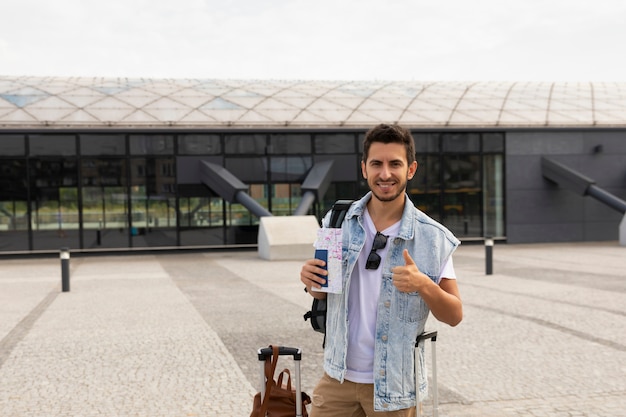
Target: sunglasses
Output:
[(373, 260)]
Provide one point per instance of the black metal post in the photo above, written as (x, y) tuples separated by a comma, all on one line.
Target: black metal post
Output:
[(488, 255), (65, 269)]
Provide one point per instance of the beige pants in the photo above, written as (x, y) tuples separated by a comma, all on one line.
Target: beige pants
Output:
[(333, 399)]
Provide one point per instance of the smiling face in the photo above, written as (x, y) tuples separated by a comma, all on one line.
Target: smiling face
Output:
[(387, 170)]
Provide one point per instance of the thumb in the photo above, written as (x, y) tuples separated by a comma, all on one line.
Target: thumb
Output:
[(407, 258)]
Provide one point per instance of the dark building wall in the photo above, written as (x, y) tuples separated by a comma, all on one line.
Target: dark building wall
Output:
[(540, 211)]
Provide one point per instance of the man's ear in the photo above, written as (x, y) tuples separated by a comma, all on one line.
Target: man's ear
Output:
[(363, 171), (412, 170)]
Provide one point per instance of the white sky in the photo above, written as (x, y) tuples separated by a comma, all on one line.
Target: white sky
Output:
[(429, 40)]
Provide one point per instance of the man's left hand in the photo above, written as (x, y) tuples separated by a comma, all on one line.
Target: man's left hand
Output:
[(407, 277)]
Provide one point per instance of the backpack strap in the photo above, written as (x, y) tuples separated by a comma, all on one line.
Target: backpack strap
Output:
[(317, 314), (338, 212)]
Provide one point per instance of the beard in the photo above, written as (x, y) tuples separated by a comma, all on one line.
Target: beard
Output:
[(389, 197)]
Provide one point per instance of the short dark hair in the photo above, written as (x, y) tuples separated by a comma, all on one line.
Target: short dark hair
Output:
[(385, 133)]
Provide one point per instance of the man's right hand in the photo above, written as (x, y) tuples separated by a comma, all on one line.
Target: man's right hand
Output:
[(310, 279)]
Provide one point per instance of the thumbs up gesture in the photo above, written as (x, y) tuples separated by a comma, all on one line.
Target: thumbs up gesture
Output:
[(407, 277)]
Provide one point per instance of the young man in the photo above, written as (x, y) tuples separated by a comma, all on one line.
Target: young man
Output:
[(397, 267)]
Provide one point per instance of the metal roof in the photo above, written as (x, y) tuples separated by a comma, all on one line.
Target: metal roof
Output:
[(70, 102)]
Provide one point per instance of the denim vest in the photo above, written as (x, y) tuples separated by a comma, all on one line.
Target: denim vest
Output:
[(401, 316)]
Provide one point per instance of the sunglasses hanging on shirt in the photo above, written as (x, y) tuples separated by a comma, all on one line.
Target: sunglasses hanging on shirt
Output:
[(373, 260)]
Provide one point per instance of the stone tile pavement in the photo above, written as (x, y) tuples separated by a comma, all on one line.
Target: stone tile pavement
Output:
[(176, 334)]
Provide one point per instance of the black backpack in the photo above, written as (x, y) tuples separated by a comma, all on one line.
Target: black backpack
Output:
[(318, 308)]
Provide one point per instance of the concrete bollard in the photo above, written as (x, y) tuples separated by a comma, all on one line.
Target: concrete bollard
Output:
[(488, 255), (65, 269)]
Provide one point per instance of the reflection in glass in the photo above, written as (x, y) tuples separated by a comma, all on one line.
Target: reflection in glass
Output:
[(105, 203), (13, 205), (153, 206), (253, 144), (493, 204), (199, 144), (154, 144), (202, 221), (289, 168), (462, 197)]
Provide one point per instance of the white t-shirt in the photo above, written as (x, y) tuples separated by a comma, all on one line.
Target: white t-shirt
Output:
[(363, 304)]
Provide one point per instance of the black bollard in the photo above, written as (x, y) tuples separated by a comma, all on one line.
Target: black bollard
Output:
[(65, 269), (488, 255)]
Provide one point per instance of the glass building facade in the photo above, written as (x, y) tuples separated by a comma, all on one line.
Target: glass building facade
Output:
[(109, 191)]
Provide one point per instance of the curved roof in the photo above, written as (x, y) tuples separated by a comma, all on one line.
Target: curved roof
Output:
[(63, 102)]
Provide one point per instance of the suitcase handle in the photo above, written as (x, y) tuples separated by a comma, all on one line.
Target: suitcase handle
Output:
[(264, 353), (432, 335)]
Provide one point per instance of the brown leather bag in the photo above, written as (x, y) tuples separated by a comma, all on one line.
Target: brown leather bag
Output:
[(280, 398)]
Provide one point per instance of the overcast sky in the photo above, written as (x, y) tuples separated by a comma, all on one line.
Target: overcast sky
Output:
[(429, 40)]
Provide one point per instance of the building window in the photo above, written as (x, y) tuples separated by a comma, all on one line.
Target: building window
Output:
[(334, 143), (290, 143), (199, 144), (460, 142), (245, 144), (102, 145), (151, 144), (289, 169), (52, 145), (12, 145)]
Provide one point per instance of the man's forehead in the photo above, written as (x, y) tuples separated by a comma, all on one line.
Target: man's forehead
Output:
[(387, 152)]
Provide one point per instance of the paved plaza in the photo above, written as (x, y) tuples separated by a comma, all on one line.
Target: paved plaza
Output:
[(176, 335)]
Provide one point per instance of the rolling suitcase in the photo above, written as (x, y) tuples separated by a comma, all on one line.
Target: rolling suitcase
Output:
[(432, 335), (267, 359)]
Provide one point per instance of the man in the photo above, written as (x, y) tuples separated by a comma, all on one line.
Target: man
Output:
[(397, 267)]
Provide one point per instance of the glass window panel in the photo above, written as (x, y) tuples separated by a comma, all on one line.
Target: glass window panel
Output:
[(13, 205), (13, 176), (462, 198), (55, 219), (53, 173), (425, 187), (52, 145), (105, 217), (245, 144), (334, 143), (460, 142), (426, 143), (102, 145), (151, 144), (289, 168), (359, 140), (493, 142), (199, 144), (281, 143), (12, 145), (202, 221), (493, 194), (285, 198), (103, 172)]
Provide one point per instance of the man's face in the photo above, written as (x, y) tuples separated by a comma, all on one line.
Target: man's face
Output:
[(387, 171)]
